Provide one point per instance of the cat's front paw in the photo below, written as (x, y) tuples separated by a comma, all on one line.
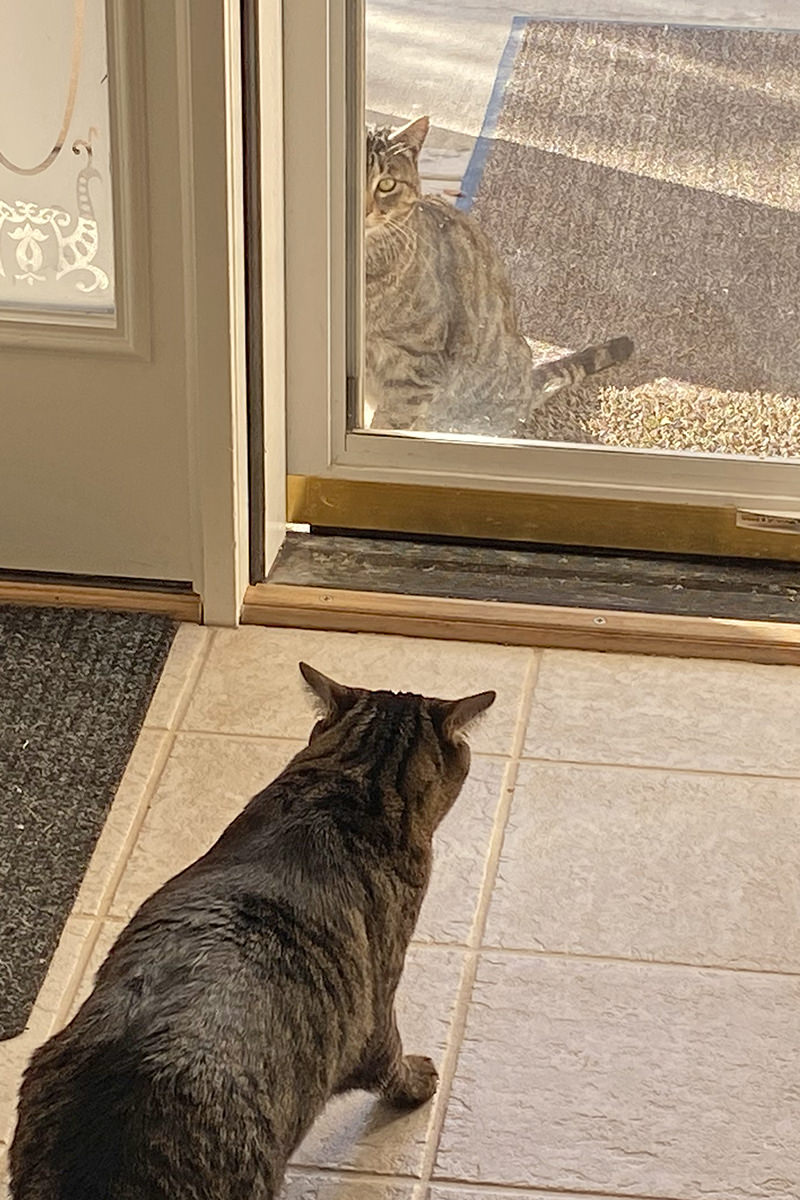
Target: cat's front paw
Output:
[(416, 1082)]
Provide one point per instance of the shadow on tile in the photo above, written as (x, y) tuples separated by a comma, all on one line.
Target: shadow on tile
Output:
[(359, 1132)]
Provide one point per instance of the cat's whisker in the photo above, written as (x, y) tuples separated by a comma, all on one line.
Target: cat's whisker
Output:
[(404, 236)]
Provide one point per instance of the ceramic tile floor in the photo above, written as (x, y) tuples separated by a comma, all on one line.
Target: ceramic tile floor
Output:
[(607, 967)]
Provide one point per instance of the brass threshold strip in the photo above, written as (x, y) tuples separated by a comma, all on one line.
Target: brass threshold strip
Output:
[(531, 518), (183, 606), (521, 624)]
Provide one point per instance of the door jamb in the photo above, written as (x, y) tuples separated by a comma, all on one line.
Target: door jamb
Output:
[(209, 66)]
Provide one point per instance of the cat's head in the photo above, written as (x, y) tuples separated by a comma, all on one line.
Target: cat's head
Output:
[(393, 186), (412, 746)]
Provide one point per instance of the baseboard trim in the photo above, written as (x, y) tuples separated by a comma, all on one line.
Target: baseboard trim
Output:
[(183, 606), (521, 624)]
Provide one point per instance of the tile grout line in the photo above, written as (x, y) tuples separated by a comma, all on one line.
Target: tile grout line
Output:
[(534, 760), (129, 841), (480, 1188), (181, 707), (348, 1175), (245, 737), (492, 948), (578, 956), (504, 807), (472, 952), (351, 1174), (109, 891), (76, 975), (594, 763), (187, 687), (236, 735)]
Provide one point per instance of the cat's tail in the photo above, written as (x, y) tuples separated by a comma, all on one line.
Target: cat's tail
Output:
[(572, 369)]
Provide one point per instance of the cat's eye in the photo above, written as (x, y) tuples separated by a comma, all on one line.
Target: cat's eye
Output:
[(387, 185)]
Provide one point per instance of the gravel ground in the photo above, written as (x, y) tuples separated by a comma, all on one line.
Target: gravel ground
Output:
[(670, 415)]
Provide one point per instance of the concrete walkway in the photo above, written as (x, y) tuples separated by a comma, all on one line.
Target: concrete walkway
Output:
[(440, 58)]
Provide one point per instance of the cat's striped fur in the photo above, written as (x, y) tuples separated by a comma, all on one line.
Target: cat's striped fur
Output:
[(443, 347), (260, 981)]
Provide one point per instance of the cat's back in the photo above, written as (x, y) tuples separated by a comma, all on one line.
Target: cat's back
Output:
[(472, 278), (244, 993), (219, 1024), (458, 237)]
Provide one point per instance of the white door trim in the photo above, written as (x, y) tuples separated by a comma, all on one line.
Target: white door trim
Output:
[(273, 272), (212, 200)]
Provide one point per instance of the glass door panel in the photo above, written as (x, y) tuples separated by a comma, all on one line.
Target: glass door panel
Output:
[(56, 226), (604, 249)]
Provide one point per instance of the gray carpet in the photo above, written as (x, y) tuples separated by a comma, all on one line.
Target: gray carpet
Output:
[(645, 180), (74, 690)]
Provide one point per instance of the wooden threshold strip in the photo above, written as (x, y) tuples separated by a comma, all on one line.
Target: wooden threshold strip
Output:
[(183, 606), (521, 624)]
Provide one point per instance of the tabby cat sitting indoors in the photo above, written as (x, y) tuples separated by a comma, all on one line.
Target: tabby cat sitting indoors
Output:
[(443, 348), (260, 981)]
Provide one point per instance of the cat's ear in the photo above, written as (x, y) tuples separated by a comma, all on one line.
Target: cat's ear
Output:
[(457, 714), (335, 696), (413, 134)]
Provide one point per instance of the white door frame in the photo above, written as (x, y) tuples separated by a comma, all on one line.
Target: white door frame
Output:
[(218, 383), (273, 271), (214, 267)]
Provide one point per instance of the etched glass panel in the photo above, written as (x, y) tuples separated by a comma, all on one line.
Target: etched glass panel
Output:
[(56, 228), (581, 230)]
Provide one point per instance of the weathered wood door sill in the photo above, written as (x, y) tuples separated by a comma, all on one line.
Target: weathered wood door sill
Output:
[(610, 603)]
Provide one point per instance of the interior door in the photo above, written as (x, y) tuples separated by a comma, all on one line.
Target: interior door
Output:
[(99, 282), (631, 148)]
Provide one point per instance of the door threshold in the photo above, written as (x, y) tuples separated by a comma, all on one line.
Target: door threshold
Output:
[(148, 596), (306, 607), (533, 596)]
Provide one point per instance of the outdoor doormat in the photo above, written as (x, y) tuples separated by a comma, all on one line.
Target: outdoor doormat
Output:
[(645, 180), (74, 690)]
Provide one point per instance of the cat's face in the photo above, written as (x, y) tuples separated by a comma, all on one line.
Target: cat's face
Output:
[(412, 746), (393, 186)]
